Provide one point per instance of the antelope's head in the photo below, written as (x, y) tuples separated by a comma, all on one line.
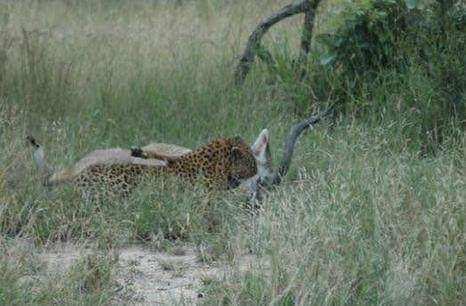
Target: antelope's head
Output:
[(267, 176)]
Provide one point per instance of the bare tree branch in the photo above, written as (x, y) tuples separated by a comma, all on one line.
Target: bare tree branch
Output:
[(253, 43), (308, 26), (306, 37)]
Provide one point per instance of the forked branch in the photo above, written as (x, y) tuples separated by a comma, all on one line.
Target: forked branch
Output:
[(253, 44)]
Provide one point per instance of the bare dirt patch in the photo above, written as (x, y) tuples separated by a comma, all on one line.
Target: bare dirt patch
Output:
[(147, 277), (159, 278)]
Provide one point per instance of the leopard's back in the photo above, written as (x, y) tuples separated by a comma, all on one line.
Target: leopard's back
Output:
[(114, 179)]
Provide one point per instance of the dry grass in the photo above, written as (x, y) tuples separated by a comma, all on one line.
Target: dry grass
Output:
[(363, 218)]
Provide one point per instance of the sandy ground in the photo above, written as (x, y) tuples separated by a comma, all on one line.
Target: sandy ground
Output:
[(147, 277), (160, 278)]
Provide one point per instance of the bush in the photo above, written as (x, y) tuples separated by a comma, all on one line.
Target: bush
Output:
[(395, 56), (368, 38)]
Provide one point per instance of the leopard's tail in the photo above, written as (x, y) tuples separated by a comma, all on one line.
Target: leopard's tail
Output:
[(48, 175)]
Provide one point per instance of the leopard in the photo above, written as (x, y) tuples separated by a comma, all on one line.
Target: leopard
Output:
[(251, 187), (221, 164)]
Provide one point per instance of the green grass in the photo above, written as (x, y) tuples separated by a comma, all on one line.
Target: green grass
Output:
[(365, 216)]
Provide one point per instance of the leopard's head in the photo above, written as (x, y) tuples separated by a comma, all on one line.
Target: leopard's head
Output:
[(242, 162)]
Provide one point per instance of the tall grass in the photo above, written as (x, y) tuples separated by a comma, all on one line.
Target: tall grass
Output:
[(361, 226), (365, 217)]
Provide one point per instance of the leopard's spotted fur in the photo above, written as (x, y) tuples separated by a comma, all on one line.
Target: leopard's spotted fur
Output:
[(221, 164)]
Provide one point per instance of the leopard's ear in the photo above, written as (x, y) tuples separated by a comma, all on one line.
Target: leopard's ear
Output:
[(260, 148), (235, 154)]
